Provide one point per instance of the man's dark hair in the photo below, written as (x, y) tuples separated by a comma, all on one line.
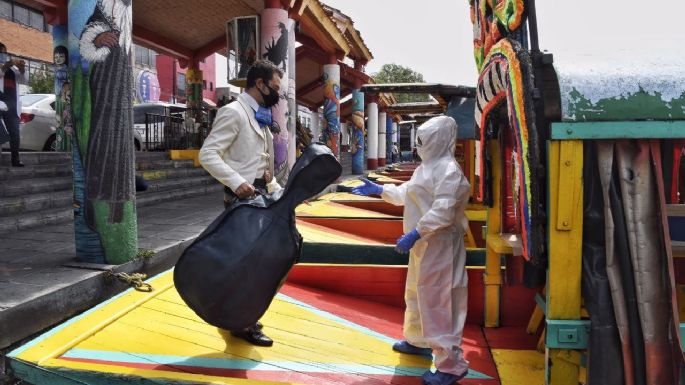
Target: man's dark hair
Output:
[(262, 69)]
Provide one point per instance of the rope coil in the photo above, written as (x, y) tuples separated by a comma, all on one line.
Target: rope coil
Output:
[(136, 280)]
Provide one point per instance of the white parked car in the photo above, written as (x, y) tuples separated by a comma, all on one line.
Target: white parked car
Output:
[(161, 125), (37, 123)]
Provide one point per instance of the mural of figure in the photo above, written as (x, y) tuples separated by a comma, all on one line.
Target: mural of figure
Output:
[(357, 139), (274, 44), (331, 107), (61, 57), (61, 61), (105, 44), (277, 50)]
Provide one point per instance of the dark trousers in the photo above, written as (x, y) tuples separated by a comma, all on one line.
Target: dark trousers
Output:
[(12, 123)]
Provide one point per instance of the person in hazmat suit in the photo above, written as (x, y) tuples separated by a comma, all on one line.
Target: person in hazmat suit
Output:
[(434, 223)]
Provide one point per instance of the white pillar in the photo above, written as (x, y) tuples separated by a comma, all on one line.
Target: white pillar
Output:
[(345, 130), (382, 137), (274, 23), (316, 126), (372, 136), (412, 134), (292, 102)]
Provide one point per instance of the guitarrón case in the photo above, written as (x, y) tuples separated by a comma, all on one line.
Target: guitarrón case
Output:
[(230, 274)]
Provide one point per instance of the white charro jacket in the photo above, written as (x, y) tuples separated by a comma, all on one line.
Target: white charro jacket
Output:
[(237, 150)]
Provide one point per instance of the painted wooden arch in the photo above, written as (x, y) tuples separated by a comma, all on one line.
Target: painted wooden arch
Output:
[(506, 76)]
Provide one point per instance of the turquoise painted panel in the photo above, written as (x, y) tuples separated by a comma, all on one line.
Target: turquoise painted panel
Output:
[(567, 334), (619, 130), (621, 86)]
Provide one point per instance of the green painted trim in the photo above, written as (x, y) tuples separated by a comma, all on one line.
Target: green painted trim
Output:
[(657, 129), (567, 334), (541, 302), (682, 337), (337, 253), (54, 376), (40, 376)]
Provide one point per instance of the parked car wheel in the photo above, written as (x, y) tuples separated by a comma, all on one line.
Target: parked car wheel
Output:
[(51, 143)]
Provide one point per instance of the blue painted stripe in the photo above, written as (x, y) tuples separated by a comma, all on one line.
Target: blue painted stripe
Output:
[(360, 328), (337, 319), (246, 364), (16, 352)]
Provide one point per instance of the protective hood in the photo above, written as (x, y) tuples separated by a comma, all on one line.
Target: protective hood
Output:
[(436, 138)]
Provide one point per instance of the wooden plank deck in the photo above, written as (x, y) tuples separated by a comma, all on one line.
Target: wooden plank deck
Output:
[(152, 338)]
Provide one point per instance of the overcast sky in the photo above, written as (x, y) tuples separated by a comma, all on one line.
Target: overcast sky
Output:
[(434, 37)]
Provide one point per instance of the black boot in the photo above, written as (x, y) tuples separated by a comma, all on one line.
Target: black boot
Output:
[(15, 159)]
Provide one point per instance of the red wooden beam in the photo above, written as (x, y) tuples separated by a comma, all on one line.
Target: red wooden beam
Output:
[(161, 44), (317, 56), (304, 90), (210, 48), (46, 3)]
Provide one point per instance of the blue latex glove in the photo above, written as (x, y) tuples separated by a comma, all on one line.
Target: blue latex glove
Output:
[(407, 241), (368, 188)]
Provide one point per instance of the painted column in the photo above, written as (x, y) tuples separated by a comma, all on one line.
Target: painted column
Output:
[(316, 126), (382, 138), (412, 135), (63, 122), (345, 140), (292, 102), (331, 105), (102, 146), (194, 76), (388, 139), (274, 45), (395, 137), (357, 140), (372, 136)]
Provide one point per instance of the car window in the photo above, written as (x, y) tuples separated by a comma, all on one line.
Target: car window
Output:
[(31, 99), (52, 105)]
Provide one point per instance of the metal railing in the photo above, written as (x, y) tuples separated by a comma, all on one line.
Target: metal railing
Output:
[(163, 132)]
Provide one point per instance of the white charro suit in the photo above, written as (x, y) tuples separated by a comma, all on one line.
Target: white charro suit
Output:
[(237, 150)]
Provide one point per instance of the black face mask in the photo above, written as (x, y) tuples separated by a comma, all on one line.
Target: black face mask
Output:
[(270, 99)]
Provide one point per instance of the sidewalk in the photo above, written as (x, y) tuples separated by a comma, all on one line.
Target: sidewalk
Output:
[(41, 283)]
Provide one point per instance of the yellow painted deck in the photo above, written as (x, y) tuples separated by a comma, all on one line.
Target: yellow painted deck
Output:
[(153, 338)]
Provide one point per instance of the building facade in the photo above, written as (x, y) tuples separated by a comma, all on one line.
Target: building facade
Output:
[(20, 25), (172, 79)]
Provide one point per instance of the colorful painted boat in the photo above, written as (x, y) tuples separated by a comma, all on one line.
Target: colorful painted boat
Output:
[(334, 321)]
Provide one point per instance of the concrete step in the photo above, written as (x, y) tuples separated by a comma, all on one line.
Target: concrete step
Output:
[(36, 171), (35, 202), (145, 165), (11, 223), (151, 155), (144, 199), (172, 173), (34, 158), (163, 185), (25, 187)]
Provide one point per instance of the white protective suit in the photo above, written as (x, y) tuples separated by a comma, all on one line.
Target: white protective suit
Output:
[(434, 201)]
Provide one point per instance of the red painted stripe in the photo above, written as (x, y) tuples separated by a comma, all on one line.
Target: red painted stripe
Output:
[(388, 320), (309, 378), (382, 230)]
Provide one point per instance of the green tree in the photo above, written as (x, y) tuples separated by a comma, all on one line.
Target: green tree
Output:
[(42, 82), (394, 73)]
